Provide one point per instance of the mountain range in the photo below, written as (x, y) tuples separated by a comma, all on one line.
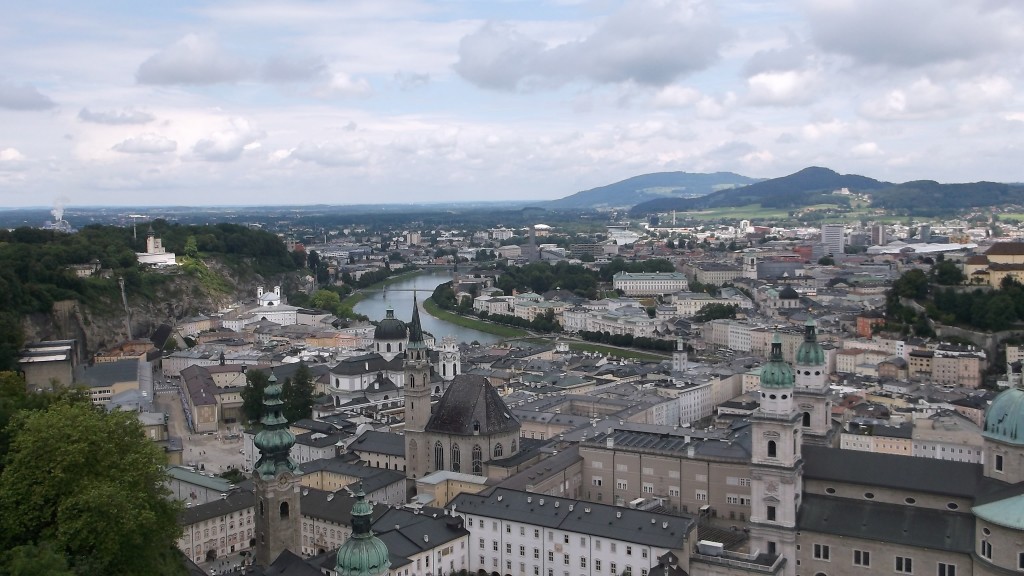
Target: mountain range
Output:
[(685, 191), (646, 187)]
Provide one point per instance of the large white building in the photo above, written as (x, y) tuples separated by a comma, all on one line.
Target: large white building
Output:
[(515, 532), (833, 236), (649, 283)]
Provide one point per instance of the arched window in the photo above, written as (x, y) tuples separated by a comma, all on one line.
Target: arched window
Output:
[(456, 458), (807, 419), (389, 346), (513, 451), (438, 456), (497, 450), (399, 346), (476, 425), (444, 369), (261, 508), (773, 450), (478, 460), (284, 510), (412, 380)]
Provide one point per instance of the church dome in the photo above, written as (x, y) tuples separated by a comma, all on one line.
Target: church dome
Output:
[(810, 352), (390, 328), (363, 554), (1004, 420), (776, 374)]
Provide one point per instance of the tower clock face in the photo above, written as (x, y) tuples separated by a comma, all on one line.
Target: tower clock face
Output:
[(284, 479)]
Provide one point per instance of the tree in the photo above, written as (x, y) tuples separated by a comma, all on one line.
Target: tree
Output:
[(297, 394), (252, 394), (827, 261), (90, 484), (947, 273), (715, 311), (326, 300), (32, 560), (191, 248)]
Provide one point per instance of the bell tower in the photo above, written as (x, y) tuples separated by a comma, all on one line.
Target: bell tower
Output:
[(276, 481), (776, 464), (811, 392), (417, 397)]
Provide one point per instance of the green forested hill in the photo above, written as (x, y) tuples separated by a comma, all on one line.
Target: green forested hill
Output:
[(35, 267)]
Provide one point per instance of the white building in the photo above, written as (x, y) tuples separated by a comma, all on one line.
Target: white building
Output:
[(649, 283), (514, 532), (833, 236), (155, 254)]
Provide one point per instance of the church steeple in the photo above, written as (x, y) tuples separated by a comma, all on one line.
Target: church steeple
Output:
[(363, 554), (276, 481), (415, 328), (275, 440)]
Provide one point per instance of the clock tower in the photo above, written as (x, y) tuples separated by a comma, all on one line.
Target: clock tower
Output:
[(276, 481)]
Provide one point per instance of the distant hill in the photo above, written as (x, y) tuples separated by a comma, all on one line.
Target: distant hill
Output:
[(927, 197), (809, 186), (658, 185)]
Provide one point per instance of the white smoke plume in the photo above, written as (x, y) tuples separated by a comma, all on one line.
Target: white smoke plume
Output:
[(58, 208)]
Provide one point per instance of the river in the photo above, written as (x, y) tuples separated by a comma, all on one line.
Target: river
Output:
[(399, 296)]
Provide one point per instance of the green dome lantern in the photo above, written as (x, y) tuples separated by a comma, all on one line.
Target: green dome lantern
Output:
[(363, 554), (776, 374), (1004, 420), (275, 440), (810, 352)]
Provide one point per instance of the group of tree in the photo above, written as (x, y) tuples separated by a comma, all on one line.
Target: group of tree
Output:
[(617, 265), (545, 322), (540, 277), (715, 311), (297, 393), (81, 489), (627, 340)]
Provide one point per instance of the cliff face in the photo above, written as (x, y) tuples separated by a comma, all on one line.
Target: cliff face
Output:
[(178, 295)]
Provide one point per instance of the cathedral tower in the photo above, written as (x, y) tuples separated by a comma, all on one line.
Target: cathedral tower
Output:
[(776, 462), (417, 397), (276, 481), (812, 400)]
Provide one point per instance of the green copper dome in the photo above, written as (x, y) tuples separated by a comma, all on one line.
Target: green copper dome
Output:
[(810, 352), (363, 554), (390, 328), (776, 373), (1004, 420)]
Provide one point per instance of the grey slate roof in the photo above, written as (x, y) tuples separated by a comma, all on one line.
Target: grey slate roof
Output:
[(902, 525), (235, 501), (469, 402), (892, 471), (388, 443), (624, 524), (367, 363)]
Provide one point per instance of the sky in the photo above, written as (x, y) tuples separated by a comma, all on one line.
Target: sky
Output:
[(271, 102)]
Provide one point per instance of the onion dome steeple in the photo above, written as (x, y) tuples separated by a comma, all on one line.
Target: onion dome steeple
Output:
[(776, 374), (810, 352), (363, 554), (275, 440)]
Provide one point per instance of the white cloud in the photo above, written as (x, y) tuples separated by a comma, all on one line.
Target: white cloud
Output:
[(341, 84), (911, 33), (148, 143), (921, 99), (865, 150), (115, 117), (676, 97), (11, 155), (330, 154), (228, 144), (789, 88), (192, 60), (650, 42), (23, 97), (293, 69)]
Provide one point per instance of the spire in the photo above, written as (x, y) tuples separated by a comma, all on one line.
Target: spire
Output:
[(275, 440), (415, 328)]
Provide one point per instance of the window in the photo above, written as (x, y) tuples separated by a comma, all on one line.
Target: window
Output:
[(551, 556), (861, 558), (946, 569), (478, 459), (565, 559), (583, 561), (284, 512), (702, 495), (621, 484), (498, 451), (438, 455), (522, 550), (806, 419), (494, 545), (482, 545), (536, 533), (822, 552), (536, 553), (629, 550), (597, 481), (508, 548), (597, 565), (904, 565), (522, 530), (1020, 560), (773, 450), (648, 488), (508, 528), (770, 513), (612, 567), (999, 462), (456, 458), (986, 549), (565, 538)]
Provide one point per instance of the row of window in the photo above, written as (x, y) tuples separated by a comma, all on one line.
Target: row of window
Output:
[(902, 564), (456, 456), (612, 567)]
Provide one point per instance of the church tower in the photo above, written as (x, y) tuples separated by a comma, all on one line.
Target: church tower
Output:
[(811, 393), (776, 462), (363, 554), (450, 359), (276, 481), (417, 397), (750, 266), (680, 360)]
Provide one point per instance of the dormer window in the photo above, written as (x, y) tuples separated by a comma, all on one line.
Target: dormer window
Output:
[(476, 425)]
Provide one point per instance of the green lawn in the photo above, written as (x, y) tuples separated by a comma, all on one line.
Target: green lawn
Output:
[(466, 322)]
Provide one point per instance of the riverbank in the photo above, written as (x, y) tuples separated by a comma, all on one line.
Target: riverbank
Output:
[(436, 311)]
